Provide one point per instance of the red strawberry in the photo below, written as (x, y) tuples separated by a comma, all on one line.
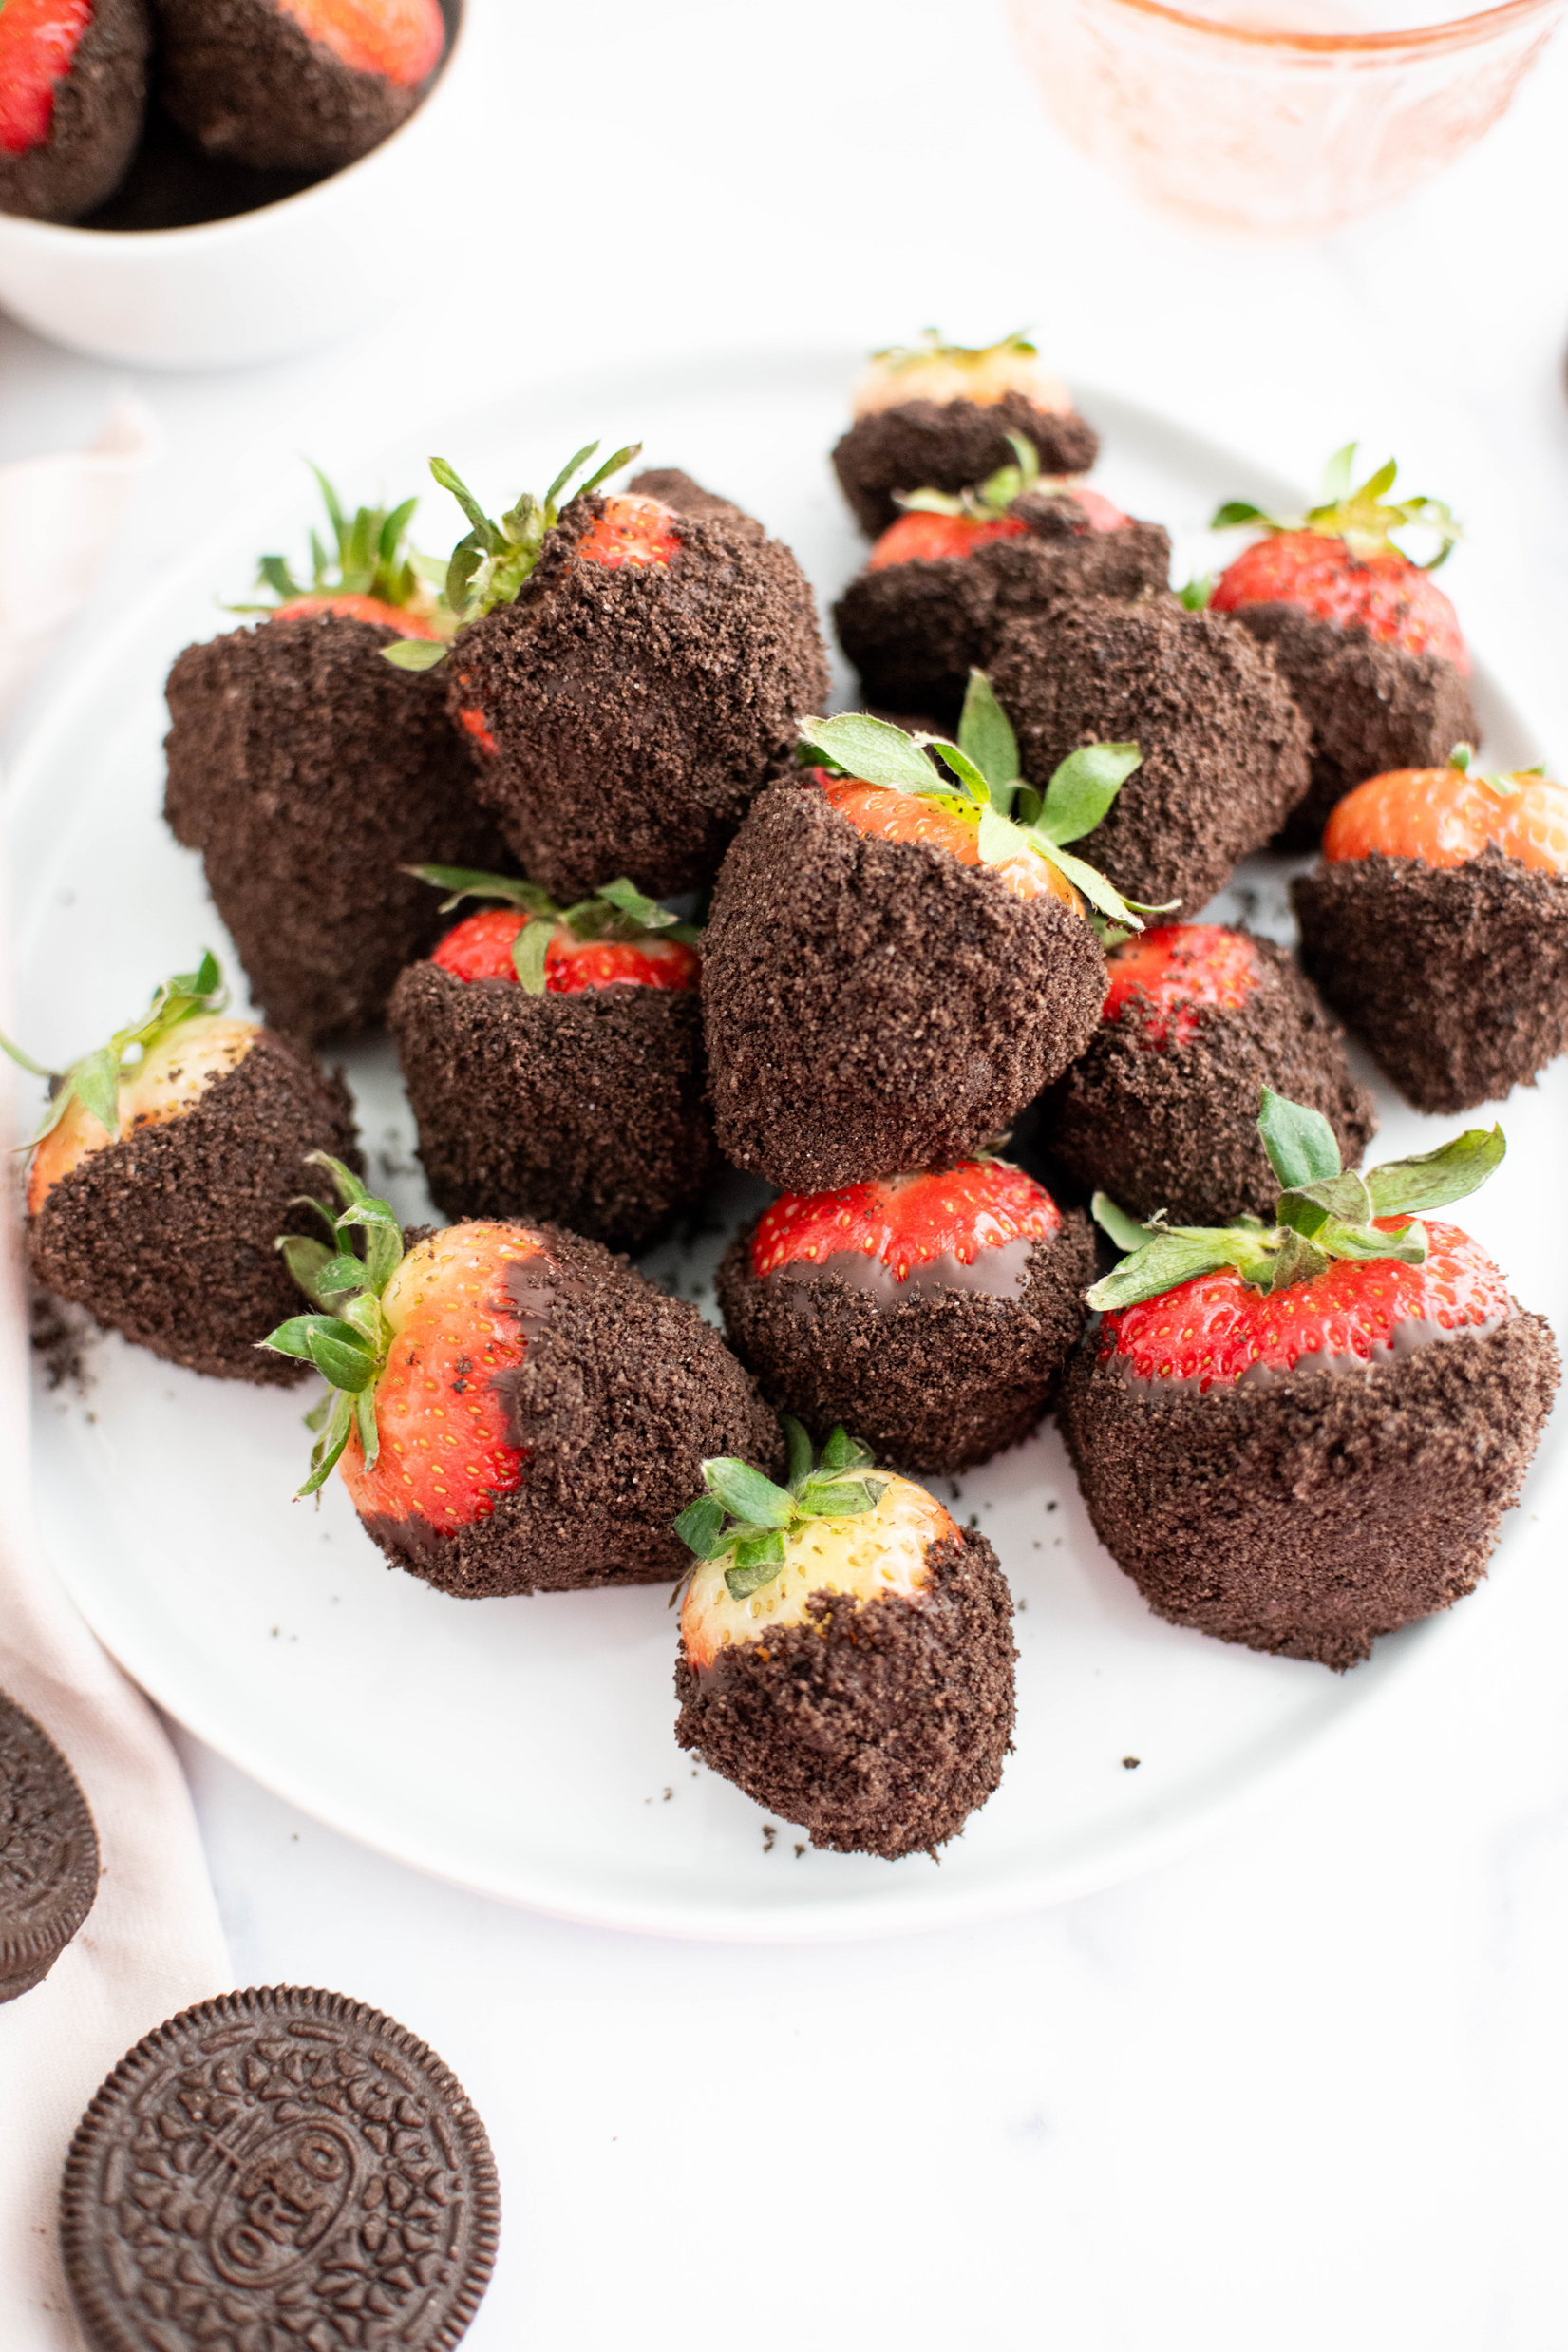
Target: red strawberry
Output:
[(900, 1221), (630, 530), (1340, 563), (370, 574), (1160, 978), (38, 43), (400, 39), (926, 536), (1447, 816), (617, 939)]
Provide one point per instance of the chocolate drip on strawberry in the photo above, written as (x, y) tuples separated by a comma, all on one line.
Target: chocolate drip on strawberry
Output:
[(1368, 644), (73, 86), (944, 581), (1224, 747), (833, 1057), (512, 1409), (933, 1311), (296, 85), (1437, 923), (630, 670), (311, 775), (553, 1061), (939, 416), (1300, 1436), (169, 1163), (1162, 1109), (846, 1651)]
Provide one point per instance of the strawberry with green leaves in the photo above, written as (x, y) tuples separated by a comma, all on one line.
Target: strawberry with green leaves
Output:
[(939, 416), (167, 1164), (73, 81), (933, 1311), (1163, 1107), (553, 1061), (1303, 1433), (297, 85), (629, 669), (310, 775), (900, 957), (510, 1407), (846, 1649), (943, 582), (1437, 924), (1369, 643)]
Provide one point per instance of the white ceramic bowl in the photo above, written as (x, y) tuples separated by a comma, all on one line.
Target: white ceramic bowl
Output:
[(262, 284)]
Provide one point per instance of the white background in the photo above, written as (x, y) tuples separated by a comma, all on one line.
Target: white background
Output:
[(1308, 2086)]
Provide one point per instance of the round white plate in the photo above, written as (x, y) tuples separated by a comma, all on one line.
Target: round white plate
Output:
[(524, 1747)]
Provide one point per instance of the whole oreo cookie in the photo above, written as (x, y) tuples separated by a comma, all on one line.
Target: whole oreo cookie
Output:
[(279, 2167), (48, 1852)]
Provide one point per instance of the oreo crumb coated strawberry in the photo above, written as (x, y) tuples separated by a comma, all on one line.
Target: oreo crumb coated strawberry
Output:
[(942, 583), (514, 1410), (846, 1651), (834, 1053), (1290, 1440), (1437, 924), (554, 1062), (631, 673), (1366, 642), (1161, 1110), (297, 84), (933, 1312), (279, 2167), (939, 416), (73, 88), (311, 775), (1224, 747), (160, 1185)]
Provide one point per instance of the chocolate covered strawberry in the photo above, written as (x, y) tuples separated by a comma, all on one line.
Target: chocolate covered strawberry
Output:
[(894, 963), (629, 670), (846, 1650), (1437, 923), (512, 1409), (939, 416), (310, 775), (1368, 642), (933, 1311), (553, 1060), (298, 86), (943, 582), (73, 86), (169, 1162), (1302, 1435), (1162, 1109)]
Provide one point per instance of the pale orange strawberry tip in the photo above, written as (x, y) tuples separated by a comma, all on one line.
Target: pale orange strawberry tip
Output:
[(373, 609), (1445, 817), (400, 40)]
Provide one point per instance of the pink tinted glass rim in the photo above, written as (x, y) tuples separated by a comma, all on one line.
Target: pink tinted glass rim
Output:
[(1455, 31)]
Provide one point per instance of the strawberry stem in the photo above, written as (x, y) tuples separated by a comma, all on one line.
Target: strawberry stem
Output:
[(1363, 518), (347, 1337), (95, 1080), (746, 1513)]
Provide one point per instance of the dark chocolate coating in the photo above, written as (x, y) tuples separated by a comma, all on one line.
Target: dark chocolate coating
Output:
[(638, 711), (878, 1726), (99, 103), (589, 1110), (48, 1852), (1224, 747), (914, 631), (951, 445), (246, 82), (276, 2167), (944, 1380), (309, 773), (622, 1394), (1370, 707), (1309, 1514), (1456, 977), (168, 1235), (871, 1006), (1175, 1126)]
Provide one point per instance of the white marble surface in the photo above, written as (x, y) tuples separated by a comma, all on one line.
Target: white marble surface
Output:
[(1306, 2087)]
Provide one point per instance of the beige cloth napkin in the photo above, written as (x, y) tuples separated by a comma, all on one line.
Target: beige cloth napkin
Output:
[(59, 516)]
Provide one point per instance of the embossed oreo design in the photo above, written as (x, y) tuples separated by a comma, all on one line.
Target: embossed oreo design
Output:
[(48, 1852), (277, 2169)]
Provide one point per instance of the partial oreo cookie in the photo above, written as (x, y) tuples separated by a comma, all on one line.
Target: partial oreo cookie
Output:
[(276, 2168), (48, 1852)]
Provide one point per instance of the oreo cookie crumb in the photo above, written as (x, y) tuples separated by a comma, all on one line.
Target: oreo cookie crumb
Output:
[(245, 82), (951, 445)]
